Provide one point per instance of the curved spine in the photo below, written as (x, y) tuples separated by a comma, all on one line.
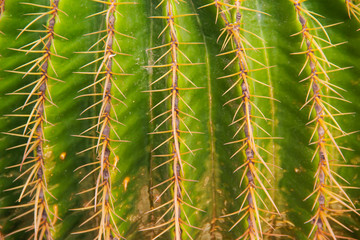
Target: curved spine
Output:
[(174, 117), (326, 126), (234, 34), (34, 154), (103, 201)]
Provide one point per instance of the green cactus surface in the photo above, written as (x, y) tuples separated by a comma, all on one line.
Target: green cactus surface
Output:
[(180, 119)]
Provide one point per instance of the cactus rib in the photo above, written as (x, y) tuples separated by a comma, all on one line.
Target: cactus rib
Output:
[(103, 201), (326, 126), (234, 33), (175, 116), (34, 154)]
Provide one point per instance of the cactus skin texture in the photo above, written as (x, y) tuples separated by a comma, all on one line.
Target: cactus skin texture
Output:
[(179, 119)]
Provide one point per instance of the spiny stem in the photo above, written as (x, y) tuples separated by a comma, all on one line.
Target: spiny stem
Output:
[(34, 128), (104, 178), (234, 33), (321, 89), (174, 116), (104, 78)]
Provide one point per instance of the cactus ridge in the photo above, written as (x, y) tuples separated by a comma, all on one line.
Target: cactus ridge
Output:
[(234, 35), (175, 117), (327, 188), (105, 165), (37, 98)]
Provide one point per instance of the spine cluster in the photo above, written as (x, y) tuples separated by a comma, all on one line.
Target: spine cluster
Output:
[(37, 98), (104, 166), (251, 208), (353, 8), (2, 7), (174, 117), (327, 189)]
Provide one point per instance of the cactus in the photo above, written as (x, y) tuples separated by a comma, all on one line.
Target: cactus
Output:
[(177, 119)]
